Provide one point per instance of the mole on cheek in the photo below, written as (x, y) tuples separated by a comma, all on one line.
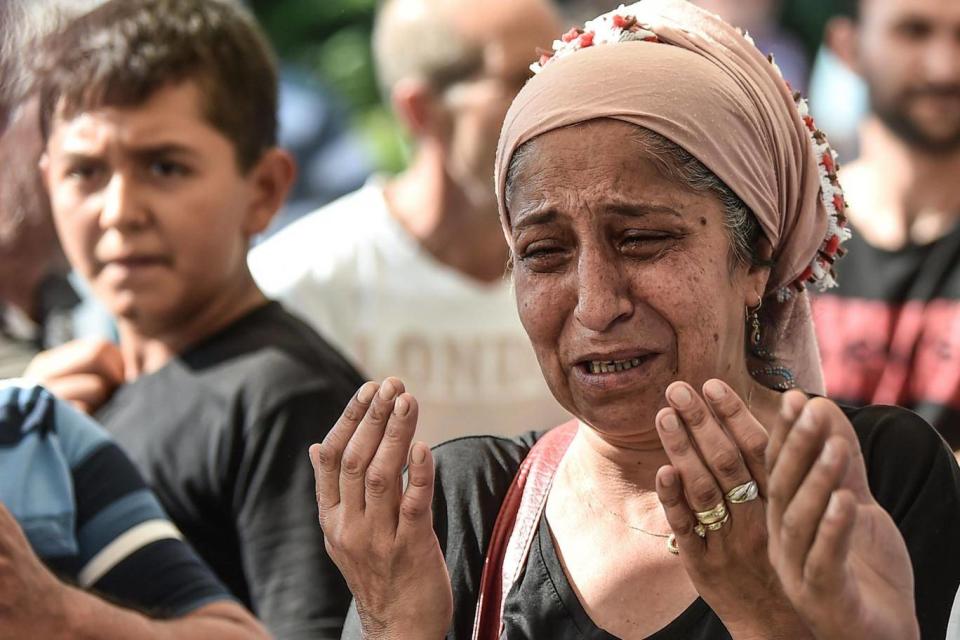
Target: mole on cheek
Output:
[(716, 337), (703, 222)]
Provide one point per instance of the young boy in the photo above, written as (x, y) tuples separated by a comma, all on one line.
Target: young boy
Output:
[(159, 119)]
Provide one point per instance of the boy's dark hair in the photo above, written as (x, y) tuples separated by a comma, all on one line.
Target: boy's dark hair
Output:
[(849, 8), (122, 52)]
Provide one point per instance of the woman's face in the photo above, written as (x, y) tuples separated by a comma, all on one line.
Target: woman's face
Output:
[(623, 277)]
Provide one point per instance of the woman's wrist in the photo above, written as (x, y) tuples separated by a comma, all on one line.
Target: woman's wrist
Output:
[(401, 627), (770, 621), (402, 632)]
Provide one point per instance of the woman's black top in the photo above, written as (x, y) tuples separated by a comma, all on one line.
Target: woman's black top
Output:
[(912, 474)]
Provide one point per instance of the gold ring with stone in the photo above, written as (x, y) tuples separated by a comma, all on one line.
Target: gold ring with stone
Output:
[(743, 493), (700, 530), (711, 516)]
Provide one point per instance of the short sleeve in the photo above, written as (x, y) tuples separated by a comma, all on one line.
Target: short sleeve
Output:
[(62, 468), (128, 548)]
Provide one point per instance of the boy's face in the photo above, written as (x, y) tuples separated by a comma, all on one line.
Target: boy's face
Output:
[(151, 206)]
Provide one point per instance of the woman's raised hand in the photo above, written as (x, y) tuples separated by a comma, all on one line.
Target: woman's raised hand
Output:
[(839, 555), (716, 448), (379, 534)]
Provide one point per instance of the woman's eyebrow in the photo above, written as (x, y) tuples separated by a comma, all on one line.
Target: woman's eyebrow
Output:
[(640, 209), (537, 216), (543, 215)]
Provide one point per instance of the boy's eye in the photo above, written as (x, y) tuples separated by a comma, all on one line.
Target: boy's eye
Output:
[(84, 171), (168, 169)]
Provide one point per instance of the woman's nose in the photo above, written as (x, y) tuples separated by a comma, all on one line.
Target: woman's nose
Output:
[(603, 293)]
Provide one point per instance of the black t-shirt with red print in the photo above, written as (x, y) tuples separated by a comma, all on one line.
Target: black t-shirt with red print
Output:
[(890, 333)]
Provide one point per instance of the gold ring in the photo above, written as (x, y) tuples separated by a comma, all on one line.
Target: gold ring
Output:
[(672, 545), (711, 516), (716, 526), (700, 530), (743, 493)]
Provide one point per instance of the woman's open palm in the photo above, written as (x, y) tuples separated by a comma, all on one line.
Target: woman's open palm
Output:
[(379, 534), (839, 554)]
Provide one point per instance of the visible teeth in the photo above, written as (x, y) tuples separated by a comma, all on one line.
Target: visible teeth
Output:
[(613, 366)]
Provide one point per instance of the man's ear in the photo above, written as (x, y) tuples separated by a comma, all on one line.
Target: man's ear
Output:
[(417, 107), (270, 181), (841, 37)]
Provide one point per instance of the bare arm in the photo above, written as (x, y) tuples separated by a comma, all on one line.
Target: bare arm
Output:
[(90, 617)]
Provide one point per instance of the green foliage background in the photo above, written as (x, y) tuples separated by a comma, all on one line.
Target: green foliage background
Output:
[(331, 39)]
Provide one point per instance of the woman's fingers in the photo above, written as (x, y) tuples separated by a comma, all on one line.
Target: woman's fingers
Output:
[(415, 505), (791, 404), (364, 443), (700, 487), (717, 450), (826, 563), (797, 455), (805, 511), (678, 513), (383, 480), (326, 456), (747, 433)]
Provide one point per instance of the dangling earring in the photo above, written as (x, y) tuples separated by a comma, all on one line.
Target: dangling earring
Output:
[(772, 370), (753, 317)]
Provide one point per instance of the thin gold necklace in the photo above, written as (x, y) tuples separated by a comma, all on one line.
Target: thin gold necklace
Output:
[(627, 524)]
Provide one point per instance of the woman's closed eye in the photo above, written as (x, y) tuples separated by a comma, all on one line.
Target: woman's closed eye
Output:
[(543, 255), (647, 244)]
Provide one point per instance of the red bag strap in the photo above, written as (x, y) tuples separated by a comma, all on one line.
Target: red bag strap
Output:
[(515, 527)]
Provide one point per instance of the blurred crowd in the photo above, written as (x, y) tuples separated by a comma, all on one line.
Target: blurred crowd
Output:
[(202, 260)]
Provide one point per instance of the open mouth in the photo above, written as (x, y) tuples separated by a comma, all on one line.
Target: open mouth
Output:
[(598, 367)]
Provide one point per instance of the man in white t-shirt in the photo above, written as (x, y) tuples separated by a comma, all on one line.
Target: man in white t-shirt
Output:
[(406, 275)]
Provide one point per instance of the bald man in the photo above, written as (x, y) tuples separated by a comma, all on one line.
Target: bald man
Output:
[(406, 275)]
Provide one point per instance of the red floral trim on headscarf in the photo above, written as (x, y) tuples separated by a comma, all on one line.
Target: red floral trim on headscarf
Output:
[(620, 25)]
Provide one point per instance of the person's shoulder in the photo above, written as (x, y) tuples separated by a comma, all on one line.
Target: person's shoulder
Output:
[(271, 355), (884, 430), (905, 458), (323, 236), (29, 411), (488, 460)]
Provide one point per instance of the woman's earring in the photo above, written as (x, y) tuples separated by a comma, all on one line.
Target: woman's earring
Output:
[(753, 318), (772, 371)]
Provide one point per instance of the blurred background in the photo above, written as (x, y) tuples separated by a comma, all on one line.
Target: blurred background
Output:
[(330, 87)]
